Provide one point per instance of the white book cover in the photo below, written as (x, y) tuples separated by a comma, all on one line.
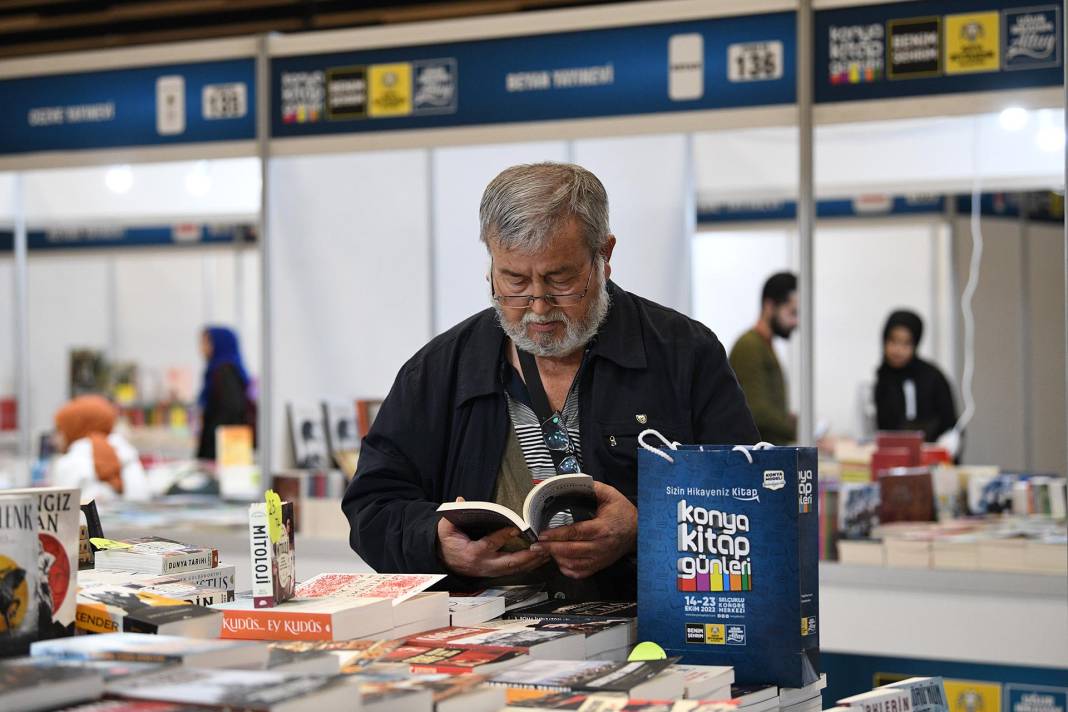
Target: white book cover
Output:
[(58, 526), (238, 689), (928, 693), (397, 587), (272, 556)]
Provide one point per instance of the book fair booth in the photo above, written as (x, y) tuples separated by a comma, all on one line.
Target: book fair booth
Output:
[(318, 192)]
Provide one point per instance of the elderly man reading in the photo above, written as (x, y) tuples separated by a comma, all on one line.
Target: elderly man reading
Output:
[(460, 421)]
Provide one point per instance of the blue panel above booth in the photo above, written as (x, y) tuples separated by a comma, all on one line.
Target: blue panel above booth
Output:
[(119, 108), (685, 66), (936, 47)]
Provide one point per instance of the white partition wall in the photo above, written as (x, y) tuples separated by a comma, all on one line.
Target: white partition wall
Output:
[(1045, 250), (350, 276), (647, 198), (459, 177), (68, 298)]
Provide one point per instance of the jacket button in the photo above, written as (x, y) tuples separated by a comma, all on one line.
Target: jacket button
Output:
[(641, 418), (612, 440)]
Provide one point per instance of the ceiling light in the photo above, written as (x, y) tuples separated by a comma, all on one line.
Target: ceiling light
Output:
[(198, 180), (1014, 118), (119, 179)]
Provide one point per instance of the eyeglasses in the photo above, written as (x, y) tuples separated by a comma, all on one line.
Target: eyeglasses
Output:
[(557, 438), (526, 301)]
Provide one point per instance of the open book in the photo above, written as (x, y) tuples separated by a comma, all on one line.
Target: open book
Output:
[(556, 501)]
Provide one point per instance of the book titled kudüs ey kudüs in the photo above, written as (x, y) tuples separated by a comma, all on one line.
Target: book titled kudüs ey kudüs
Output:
[(728, 560)]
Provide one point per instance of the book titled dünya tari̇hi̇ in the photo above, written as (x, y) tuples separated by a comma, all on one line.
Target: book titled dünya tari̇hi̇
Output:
[(153, 554), (542, 509)]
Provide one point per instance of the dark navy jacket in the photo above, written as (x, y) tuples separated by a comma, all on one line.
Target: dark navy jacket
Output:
[(441, 432)]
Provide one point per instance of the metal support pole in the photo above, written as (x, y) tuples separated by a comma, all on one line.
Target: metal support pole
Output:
[(689, 220), (432, 248), (1026, 394), (1064, 178), (266, 394), (806, 208), (22, 335), (956, 354)]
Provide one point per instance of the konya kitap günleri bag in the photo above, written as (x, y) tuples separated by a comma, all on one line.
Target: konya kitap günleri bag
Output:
[(728, 557)]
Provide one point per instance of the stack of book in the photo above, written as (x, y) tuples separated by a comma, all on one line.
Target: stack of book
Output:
[(755, 698), (334, 607), (916, 694), (803, 699), (609, 627), (154, 585)]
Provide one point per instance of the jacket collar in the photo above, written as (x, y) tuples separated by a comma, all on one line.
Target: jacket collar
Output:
[(620, 340)]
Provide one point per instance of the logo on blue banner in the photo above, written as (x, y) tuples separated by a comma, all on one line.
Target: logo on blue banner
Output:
[(1035, 698), (1032, 37)]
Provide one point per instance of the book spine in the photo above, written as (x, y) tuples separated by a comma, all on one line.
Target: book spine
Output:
[(206, 559), (261, 553), (265, 625), (98, 618)]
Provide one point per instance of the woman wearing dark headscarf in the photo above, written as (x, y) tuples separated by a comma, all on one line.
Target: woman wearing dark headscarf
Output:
[(911, 394), (224, 395)]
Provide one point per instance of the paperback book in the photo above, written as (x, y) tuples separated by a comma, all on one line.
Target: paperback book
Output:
[(454, 660), (313, 619), (627, 678), (221, 578), (307, 436), (251, 690), (153, 554), (19, 582), (273, 551), (29, 688), (139, 647), (553, 502), (110, 609), (398, 588), (58, 517)]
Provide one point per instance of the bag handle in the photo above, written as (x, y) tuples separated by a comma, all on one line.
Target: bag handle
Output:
[(762, 445), (746, 450), (657, 451)]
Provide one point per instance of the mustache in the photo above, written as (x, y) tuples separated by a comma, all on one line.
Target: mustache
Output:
[(555, 315)]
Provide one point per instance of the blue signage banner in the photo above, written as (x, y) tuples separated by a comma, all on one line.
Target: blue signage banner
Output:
[(685, 66), (118, 237), (868, 206), (145, 106), (937, 47)]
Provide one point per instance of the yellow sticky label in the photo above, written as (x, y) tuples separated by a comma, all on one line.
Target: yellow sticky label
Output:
[(274, 515), (101, 543)]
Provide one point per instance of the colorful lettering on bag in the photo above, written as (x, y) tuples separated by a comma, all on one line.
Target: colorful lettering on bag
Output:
[(714, 550)]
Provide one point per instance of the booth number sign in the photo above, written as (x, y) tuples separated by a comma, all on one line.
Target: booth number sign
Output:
[(225, 101), (754, 61)]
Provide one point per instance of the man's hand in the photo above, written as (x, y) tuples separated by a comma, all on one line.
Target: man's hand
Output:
[(482, 558), (584, 548)]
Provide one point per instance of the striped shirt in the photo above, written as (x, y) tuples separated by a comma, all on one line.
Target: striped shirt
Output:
[(528, 428)]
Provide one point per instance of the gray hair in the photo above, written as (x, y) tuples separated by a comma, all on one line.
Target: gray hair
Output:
[(524, 205)]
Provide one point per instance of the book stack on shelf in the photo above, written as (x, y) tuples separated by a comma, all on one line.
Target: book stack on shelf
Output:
[(917, 511)]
